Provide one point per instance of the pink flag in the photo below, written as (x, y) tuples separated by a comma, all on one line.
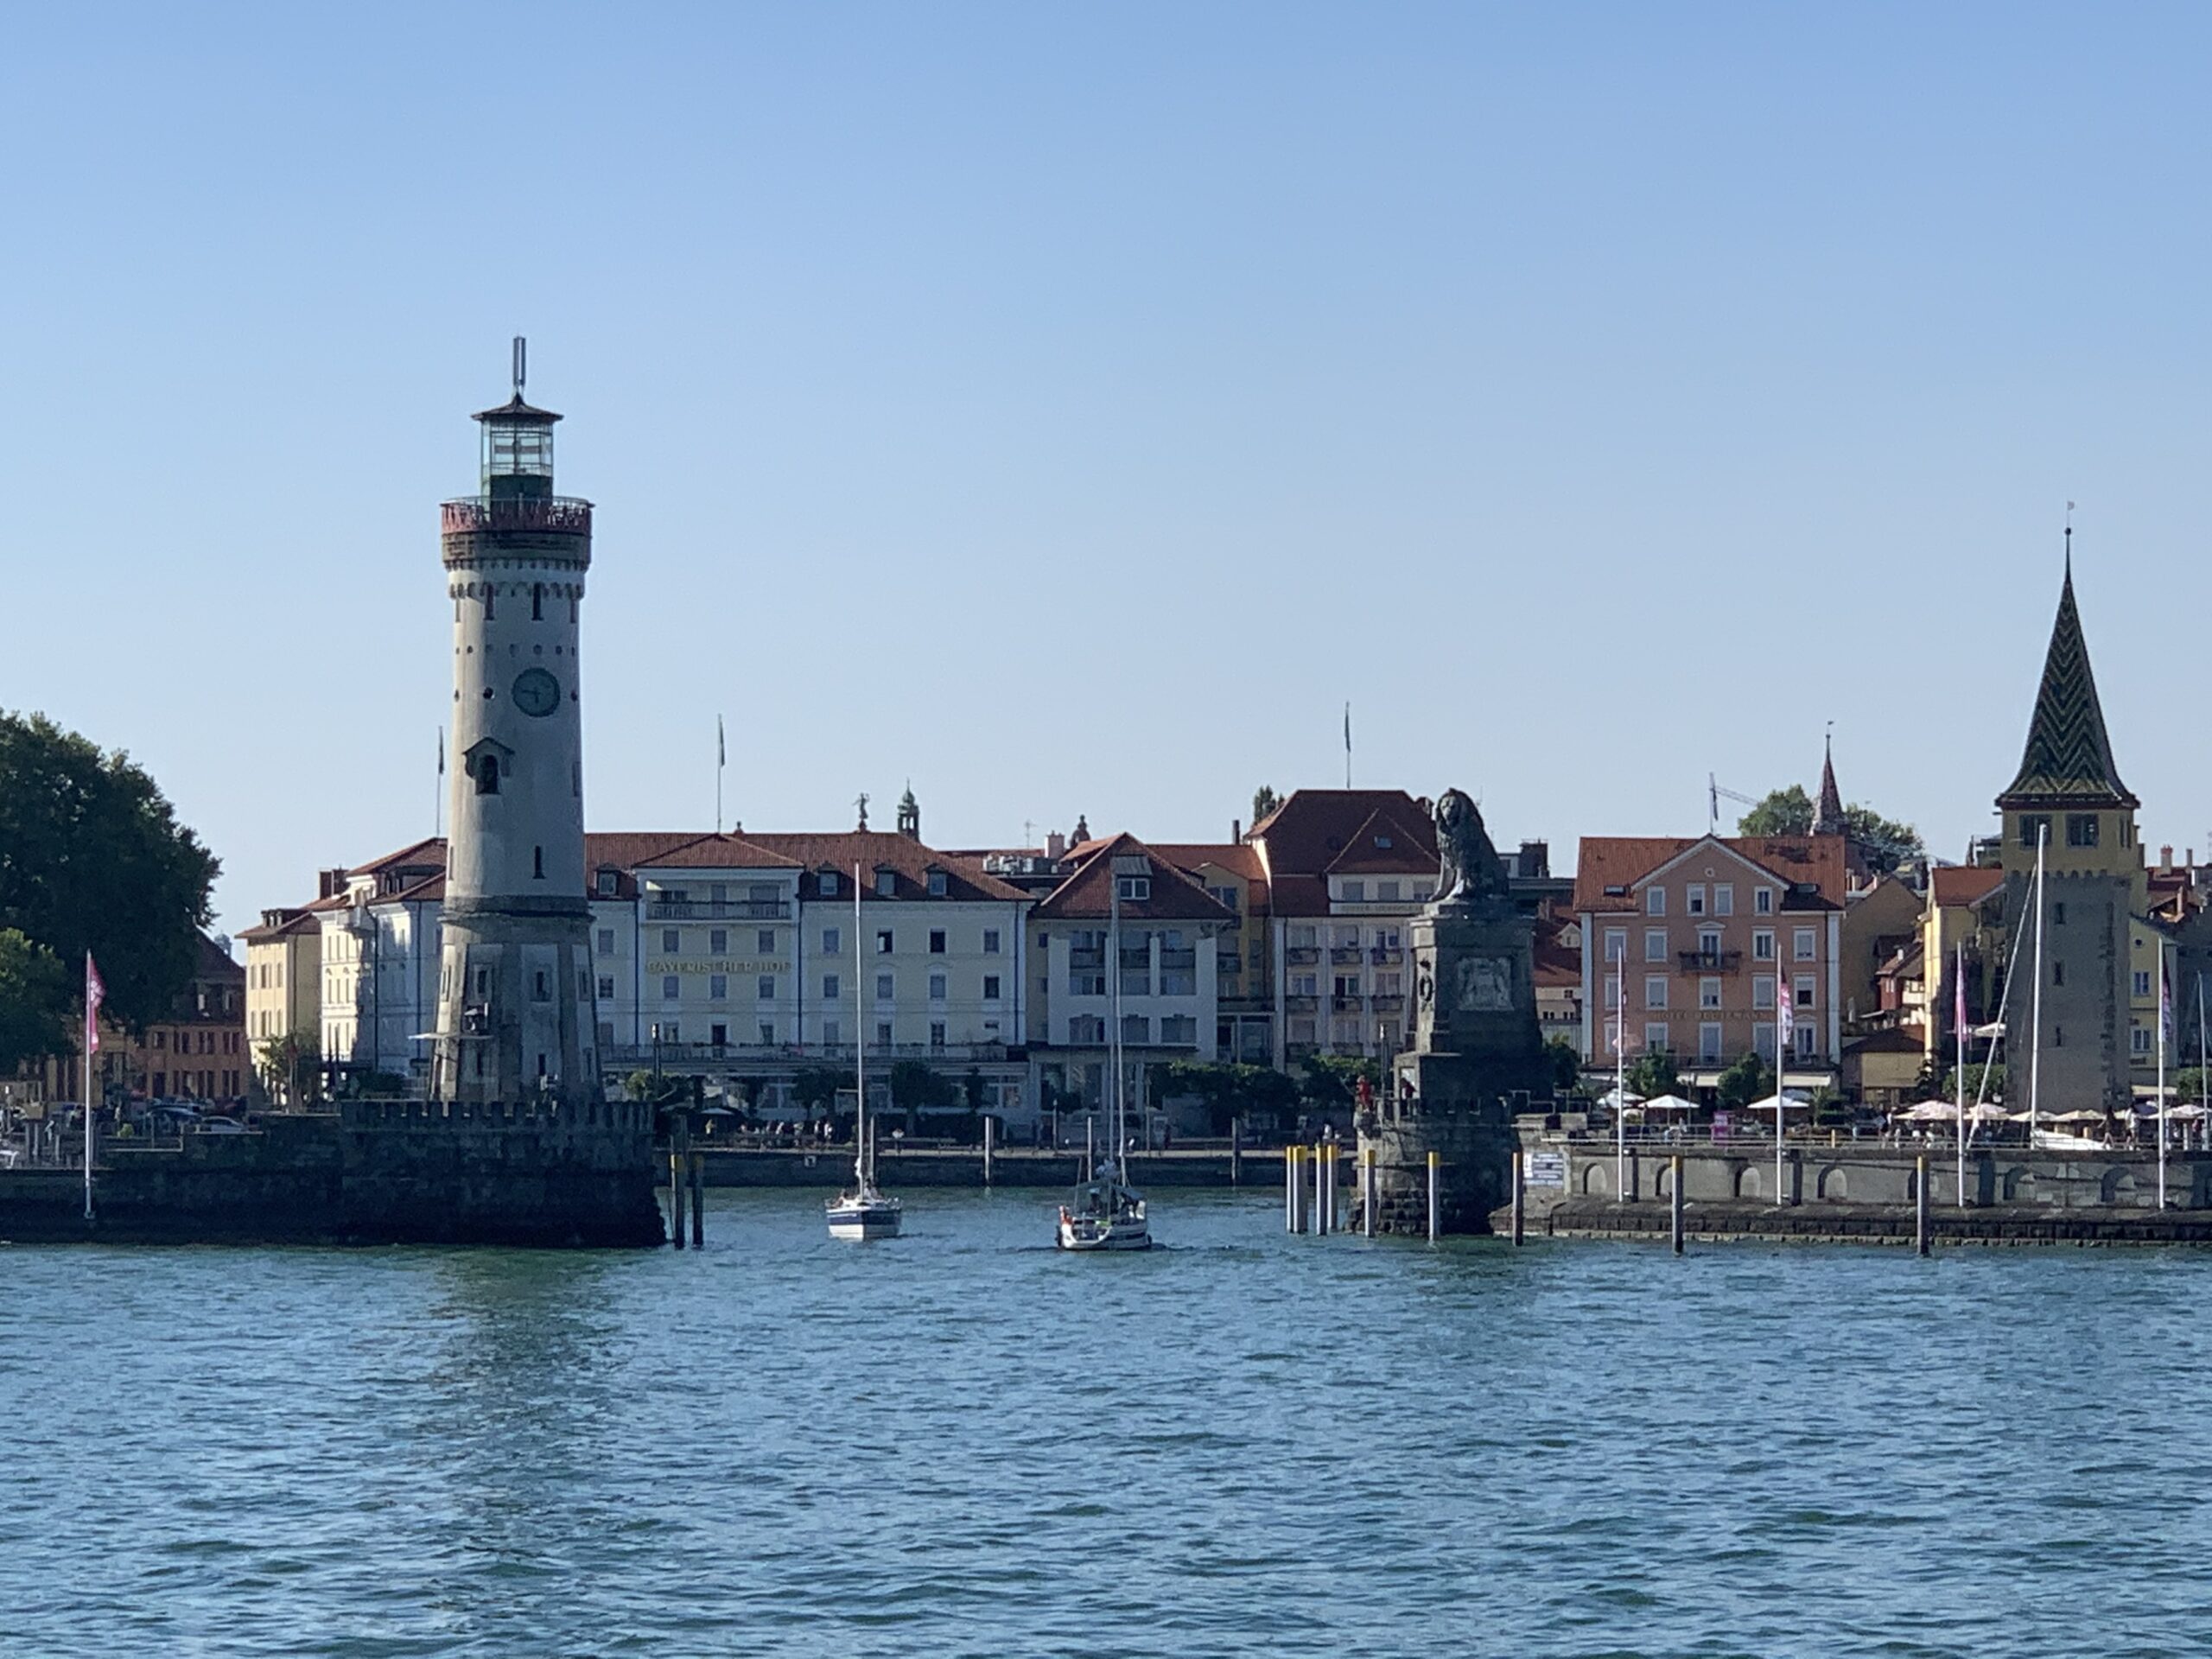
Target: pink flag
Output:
[(95, 994)]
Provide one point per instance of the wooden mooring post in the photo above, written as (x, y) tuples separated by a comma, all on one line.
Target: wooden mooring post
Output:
[(1520, 1197), (1367, 1185), (1920, 1205), (676, 1137), (1435, 1218), (1236, 1152), (698, 1162), (989, 1124), (1293, 1189), (1674, 1200)]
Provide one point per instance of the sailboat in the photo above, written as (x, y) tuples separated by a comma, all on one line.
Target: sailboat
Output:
[(1105, 1213), (863, 1210)]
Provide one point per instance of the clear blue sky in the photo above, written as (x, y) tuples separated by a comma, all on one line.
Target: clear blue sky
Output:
[(1070, 408)]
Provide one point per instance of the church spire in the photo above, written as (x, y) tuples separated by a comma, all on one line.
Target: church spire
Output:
[(1827, 816), (2068, 760)]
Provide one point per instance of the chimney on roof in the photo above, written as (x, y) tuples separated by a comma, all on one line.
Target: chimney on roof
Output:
[(1535, 860), (2165, 859), (1056, 846), (1237, 832)]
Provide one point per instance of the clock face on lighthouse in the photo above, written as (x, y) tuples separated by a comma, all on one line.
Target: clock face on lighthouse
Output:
[(536, 693)]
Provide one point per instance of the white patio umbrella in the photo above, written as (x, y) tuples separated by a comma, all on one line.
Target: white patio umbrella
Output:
[(1670, 1103)]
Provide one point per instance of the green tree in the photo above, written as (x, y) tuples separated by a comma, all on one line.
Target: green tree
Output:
[(35, 993), (1884, 842), (92, 858), (1230, 1091), (287, 1065), (815, 1088), (1748, 1080), (1329, 1079), (1566, 1063), (1995, 1090), (1264, 801), (1654, 1075)]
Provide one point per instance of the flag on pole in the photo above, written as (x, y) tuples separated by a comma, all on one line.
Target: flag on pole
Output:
[(2165, 1001), (1785, 1020), (95, 994), (722, 748)]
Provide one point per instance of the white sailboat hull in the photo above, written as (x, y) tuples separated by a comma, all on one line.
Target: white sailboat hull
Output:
[(1088, 1233), (866, 1215)]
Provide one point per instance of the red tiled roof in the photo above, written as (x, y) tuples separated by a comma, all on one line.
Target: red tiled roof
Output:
[(1087, 894), (1383, 846), (875, 849), (719, 853), (1557, 964), (1300, 839), (1235, 856), (289, 922), (1963, 884), (1622, 861)]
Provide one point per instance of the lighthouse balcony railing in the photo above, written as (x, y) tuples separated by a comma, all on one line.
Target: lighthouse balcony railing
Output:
[(758, 909), (565, 515)]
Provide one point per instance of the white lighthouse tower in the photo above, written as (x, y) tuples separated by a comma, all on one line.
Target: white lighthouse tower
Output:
[(516, 1016)]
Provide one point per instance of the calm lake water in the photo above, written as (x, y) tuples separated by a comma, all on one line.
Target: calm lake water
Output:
[(963, 1443)]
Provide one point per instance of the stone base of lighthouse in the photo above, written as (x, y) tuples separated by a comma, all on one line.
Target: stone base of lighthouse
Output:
[(515, 1006)]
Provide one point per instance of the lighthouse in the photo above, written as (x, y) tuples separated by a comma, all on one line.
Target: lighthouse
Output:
[(516, 1016)]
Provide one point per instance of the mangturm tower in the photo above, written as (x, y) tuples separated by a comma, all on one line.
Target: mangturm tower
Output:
[(516, 1018)]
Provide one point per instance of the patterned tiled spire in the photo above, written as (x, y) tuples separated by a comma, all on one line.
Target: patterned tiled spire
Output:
[(1827, 816), (2068, 760)]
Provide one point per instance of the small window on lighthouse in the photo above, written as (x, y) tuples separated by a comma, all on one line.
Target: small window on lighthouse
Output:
[(490, 594), (537, 602), (538, 861), (487, 774)]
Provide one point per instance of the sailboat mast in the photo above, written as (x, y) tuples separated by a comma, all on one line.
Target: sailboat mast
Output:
[(2034, 1009), (1959, 1069), (2159, 943), (1114, 1007), (860, 1042)]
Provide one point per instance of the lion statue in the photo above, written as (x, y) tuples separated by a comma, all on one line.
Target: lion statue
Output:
[(1470, 868)]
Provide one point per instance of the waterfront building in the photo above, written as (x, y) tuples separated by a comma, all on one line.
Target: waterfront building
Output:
[(1709, 933), (1235, 877), (284, 984), (2100, 946), (1164, 963), (378, 929)]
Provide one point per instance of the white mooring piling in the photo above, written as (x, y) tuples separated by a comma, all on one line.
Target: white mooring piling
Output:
[(1435, 1219)]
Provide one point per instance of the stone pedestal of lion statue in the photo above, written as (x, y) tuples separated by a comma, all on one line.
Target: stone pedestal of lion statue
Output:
[(1476, 1054)]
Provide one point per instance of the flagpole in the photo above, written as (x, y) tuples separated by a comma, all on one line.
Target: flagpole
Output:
[(91, 1046), (2159, 942), (2204, 1122), (721, 759), (1620, 1081), (1959, 1035), (438, 809)]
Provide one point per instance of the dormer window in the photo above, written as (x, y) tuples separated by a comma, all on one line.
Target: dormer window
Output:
[(486, 760), (1133, 889), (608, 880), (488, 775), (828, 881), (1355, 891), (887, 883), (936, 884), (1383, 842)]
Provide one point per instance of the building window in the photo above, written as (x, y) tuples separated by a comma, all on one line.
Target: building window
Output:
[(1724, 900), (1655, 945), (1136, 1028), (607, 883), (937, 942), (718, 1035), (487, 774), (766, 992), (1355, 891), (607, 987), (883, 1034), (2058, 914), (883, 942), (2080, 829), (1612, 990), (718, 987), (1133, 889), (1708, 1043), (1694, 900), (1763, 944), (1761, 990), (2139, 1040), (830, 1033), (1087, 1028), (1807, 987), (1708, 942), (830, 940), (831, 987), (827, 886), (2057, 972), (883, 985), (991, 988), (718, 941), (990, 941), (1655, 1039), (671, 988), (936, 987), (887, 883), (1804, 944), (2142, 981), (936, 884), (668, 941), (1708, 992), (937, 1034), (1616, 943), (2035, 829), (1763, 901), (1654, 990), (1655, 901), (768, 1034), (606, 941)]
